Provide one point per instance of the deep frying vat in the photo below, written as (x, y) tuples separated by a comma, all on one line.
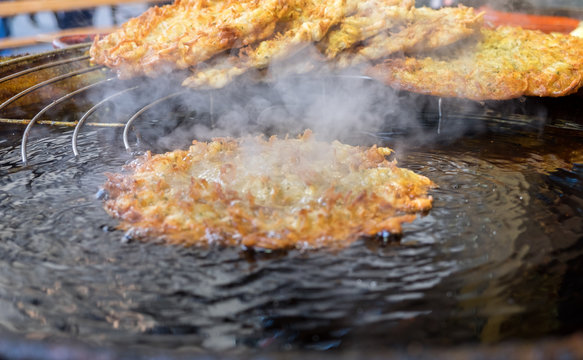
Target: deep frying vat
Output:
[(497, 259)]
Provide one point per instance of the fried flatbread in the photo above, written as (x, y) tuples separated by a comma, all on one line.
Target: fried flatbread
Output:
[(371, 17), (273, 194), (412, 28), (426, 29), (308, 24), (187, 32), (502, 63)]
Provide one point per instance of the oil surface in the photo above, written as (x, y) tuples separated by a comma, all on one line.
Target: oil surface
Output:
[(498, 258)]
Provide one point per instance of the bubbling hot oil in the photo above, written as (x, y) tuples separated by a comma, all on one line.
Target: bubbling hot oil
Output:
[(497, 258)]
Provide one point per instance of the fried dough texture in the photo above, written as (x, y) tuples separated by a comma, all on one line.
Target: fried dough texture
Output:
[(371, 17), (307, 24), (376, 29), (443, 52), (502, 63), (266, 193), (311, 24), (219, 40), (185, 33), (425, 29)]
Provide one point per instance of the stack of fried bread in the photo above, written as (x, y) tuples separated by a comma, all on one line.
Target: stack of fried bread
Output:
[(445, 52)]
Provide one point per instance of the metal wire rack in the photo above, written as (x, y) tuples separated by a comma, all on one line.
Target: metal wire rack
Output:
[(67, 74), (38, 84)]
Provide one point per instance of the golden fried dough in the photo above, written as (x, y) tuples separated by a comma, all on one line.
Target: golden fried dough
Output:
[(187, 32), (375, 19), (371, 17), (502, 63), (273, 194), (425, 29), (222, 39), (306, 25)]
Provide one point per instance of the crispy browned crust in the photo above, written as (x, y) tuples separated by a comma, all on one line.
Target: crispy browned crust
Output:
[(305, 26), (381, 27), (425, 29), (274, 194), (189, 33), (371, 18), (185, 33), (503, 63)]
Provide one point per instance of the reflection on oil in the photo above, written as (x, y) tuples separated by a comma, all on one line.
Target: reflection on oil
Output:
[(497, 258)]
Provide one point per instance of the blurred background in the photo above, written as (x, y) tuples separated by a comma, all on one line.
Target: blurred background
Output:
[(29, 26)]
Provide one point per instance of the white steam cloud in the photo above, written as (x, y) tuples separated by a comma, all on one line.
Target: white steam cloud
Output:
[(334, 105)]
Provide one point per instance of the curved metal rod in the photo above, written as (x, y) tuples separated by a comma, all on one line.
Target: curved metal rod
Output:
[(70, 124), (212, 107), (35, 119), (43, 66), (334, 76), (130, 122), (440, 114), (91, 111), (355, 77), (57, 52), (47, 82)]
